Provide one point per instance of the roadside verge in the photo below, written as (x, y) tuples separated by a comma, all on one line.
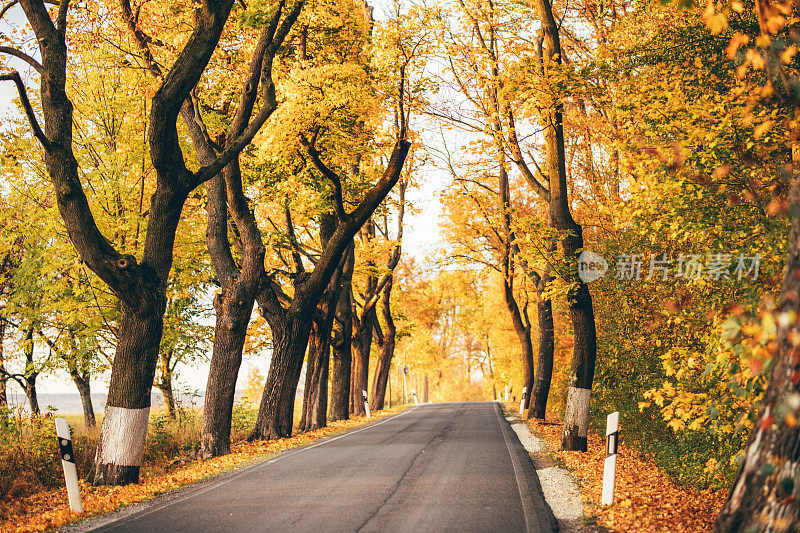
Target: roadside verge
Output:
[(561, 491), (50, 510), (646, 498)]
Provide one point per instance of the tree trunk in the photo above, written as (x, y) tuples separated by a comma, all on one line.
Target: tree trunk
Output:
[(318, 356), (544, 365), (381, 376), (315, 398), (234, 306), (342, 343), (507, 247), (124, 429), (319, 411), (84, 389), (576, 416), (521, 327), (362, 346), (315, 404), (30, 372), (491, 368), (3, 378), (766, 492), (165, 383), (387, 346), (523, 332), (311, 363), (275, 413), (33, 395), (169, 398)]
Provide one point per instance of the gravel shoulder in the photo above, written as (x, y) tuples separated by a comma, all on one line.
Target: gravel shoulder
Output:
[(560, 489)]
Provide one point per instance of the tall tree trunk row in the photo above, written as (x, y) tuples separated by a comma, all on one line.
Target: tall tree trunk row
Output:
[(342, 342), (387, 346)]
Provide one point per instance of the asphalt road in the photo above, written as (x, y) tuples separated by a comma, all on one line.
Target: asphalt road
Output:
[(439, 467)]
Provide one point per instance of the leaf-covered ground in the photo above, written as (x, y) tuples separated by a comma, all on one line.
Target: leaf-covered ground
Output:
[(646, 499), (50, 510)]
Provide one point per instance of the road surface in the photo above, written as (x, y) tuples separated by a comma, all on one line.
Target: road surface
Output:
[(438, 467)]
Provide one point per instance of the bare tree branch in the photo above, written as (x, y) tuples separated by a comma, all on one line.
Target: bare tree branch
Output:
[(61, 18), (26, 104), (269, 106), (329, 174), (7, 7), (21, 55)]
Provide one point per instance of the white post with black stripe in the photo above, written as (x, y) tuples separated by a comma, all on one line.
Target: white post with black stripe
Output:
[(610, 468), (68, 462), (522, 400), (366, 404)]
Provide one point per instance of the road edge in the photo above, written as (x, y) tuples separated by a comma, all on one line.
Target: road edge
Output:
[(561, 489), (527, 480)]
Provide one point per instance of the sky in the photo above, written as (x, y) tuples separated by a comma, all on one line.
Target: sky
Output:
[(421, 239)]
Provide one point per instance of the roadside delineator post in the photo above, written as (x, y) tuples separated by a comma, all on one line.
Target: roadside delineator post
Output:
[(522, 400), (610, 468), (366, 404), (68, 463)]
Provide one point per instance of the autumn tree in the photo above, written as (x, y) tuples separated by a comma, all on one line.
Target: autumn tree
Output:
[(387, 335), (341, 342), (290, 315), (765, 494), (365, 318), (139, 285), (481, 51), (315, 399)]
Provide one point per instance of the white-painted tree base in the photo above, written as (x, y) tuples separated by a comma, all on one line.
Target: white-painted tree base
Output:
[(577, 411), (123, 435)]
